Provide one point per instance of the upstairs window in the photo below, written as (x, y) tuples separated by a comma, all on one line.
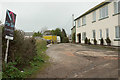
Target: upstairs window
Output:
[(94, 16), (117, 31), (116, 7), (104, 12), (79, 23), (84, 20)]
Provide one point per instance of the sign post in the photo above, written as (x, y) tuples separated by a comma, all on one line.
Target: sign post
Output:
[(6, 54), (9, 29)]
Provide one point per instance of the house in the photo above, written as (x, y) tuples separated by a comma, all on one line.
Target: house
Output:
[(99, 22), (28, 34), (73, 31)]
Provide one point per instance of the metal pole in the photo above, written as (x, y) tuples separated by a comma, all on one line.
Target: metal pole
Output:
[(72, 20), (6, 54)]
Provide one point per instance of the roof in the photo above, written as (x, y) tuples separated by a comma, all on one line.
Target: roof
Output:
[(29, 33), (94, 8), (72, 27)]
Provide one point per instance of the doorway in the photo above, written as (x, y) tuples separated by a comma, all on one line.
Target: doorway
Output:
[(79, 38)]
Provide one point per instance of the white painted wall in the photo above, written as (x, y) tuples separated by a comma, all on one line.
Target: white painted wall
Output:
[(109, 23)]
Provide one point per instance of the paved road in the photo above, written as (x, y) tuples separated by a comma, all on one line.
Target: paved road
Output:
[(76, 61)]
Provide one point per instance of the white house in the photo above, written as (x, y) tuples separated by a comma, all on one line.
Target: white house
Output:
[(101, 21)]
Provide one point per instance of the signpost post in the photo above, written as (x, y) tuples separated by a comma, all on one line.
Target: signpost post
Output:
[(9, 29)]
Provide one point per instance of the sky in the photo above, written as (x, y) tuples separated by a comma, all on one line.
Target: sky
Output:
[(34, 15)]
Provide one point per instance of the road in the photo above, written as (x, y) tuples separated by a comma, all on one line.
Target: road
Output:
[(77, 61)]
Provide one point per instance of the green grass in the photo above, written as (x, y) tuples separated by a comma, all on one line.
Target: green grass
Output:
[(0, 75)]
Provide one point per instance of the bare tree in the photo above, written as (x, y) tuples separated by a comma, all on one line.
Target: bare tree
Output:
[(43, 29)]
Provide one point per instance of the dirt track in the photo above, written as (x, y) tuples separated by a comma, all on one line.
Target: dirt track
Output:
[(76, 61)]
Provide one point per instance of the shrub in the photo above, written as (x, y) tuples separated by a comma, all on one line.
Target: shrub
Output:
[(101, 41), (95, 41), (21, 50), (89, 41), (86, 40), (108, 41), (73, 38), (65, 40)]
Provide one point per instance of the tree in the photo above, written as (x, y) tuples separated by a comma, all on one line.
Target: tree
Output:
[(64, 33), (37, 34), (73, 37), (58, 32), (64, 38)]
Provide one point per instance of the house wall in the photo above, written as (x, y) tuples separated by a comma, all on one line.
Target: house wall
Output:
[(103, 24)]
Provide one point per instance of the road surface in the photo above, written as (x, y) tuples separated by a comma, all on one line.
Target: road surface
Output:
[(77, 61)]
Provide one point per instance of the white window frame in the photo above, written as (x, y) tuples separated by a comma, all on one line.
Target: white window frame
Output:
[(116, 7), (94, 16), (83, 20), (103, 12), (117, 32), (79, 23)]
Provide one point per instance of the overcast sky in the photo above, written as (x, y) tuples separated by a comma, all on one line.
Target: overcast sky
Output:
[(34, 15)]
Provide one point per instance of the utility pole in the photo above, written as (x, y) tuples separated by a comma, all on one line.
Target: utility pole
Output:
[(72, 27), (72, 20)]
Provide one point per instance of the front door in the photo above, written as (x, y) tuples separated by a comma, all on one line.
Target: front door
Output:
[(79, 37)]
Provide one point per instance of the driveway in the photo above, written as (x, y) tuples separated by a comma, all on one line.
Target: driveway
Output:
[(76, 61)]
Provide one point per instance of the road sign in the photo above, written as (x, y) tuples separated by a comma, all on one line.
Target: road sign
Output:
[(9, 29), (10, 24)]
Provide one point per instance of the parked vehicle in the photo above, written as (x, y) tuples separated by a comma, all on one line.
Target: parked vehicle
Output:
[(58, 39)]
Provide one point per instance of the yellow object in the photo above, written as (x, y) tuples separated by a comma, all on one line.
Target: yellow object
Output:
[(50, 37)]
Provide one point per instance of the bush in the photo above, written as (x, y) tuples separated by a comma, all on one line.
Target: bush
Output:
[(108, 41), (21, 50), (101, 41), (86, 40), (73, 38), (89, 41), (65, 40), (95, 41)]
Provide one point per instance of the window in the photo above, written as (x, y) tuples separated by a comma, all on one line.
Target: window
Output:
[(104, 12), (83, 35), (79, 23), (94, 34), (84, 20), (100, 33), (116, 7), (117, 31), (107, 33), (94, 16), (75, 23)]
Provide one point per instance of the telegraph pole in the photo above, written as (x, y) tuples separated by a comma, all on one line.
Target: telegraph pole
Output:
[(72, 20)]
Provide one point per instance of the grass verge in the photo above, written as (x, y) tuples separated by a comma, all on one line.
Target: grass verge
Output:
[(40, 61)]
